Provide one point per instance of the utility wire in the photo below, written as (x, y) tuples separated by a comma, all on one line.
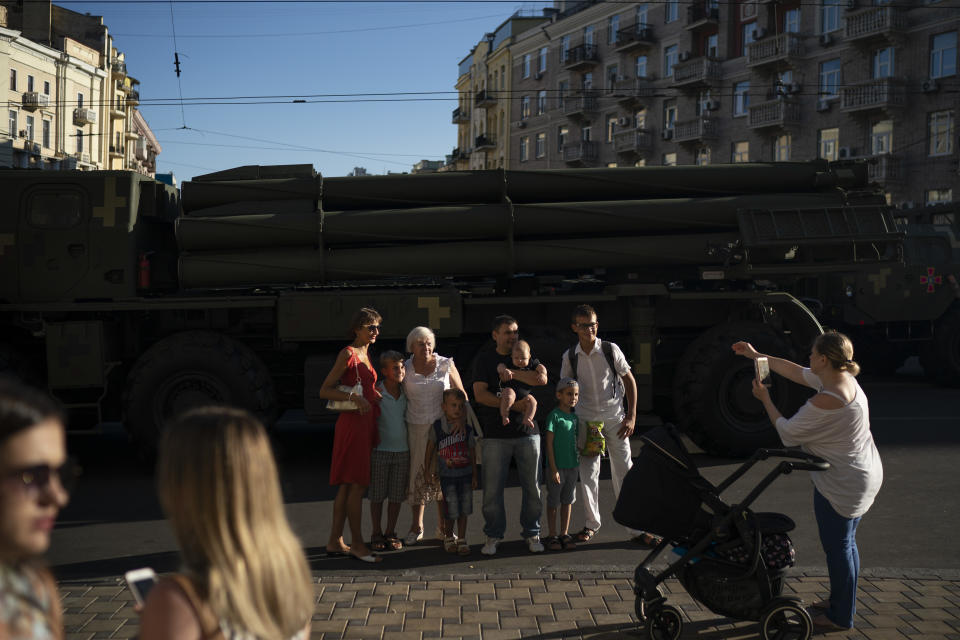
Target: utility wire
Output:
[(176, 65), (904, 5)]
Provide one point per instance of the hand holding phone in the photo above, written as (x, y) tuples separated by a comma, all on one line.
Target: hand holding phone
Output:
[(140, 581), (762, 367)]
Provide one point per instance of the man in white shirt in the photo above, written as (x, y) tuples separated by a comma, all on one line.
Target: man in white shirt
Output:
[(605, 380)]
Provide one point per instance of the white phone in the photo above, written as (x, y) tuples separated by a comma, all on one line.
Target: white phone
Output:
[(763, 370), (140, 582)]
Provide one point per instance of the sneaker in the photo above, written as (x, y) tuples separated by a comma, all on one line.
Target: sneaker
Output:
[(490, 548), (534, 544)]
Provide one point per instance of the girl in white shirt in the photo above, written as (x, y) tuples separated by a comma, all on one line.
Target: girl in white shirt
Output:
[(835, 425)]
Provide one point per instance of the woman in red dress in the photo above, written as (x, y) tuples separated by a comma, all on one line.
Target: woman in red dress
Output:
[(356, 434)]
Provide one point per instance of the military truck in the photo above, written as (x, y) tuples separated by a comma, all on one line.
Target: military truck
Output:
[(130, 303)]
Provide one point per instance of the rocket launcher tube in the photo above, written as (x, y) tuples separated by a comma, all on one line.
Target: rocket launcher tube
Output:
[(201, 195)]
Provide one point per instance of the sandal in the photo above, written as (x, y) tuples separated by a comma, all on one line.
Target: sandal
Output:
[(462, 547), (450, 545), (646, 540), (393, 542), (377, 543), (566, 541), (554, 544), (585, 534), (414, 537)]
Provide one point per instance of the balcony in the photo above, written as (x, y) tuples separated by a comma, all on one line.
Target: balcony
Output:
[(633, 90), (83, 116), (782, 48), (882, 22), (484, 142), (579, 105), (696, 72), (116, 152), (634, 141), (702, 13), (118, 67), (33, 100), (774, 114), (885, 169), (634, 37), (580, 153), (696, 130), (882, 94), (131, 135), (460, 116), (133, 98), (580, 57), (485, 99)]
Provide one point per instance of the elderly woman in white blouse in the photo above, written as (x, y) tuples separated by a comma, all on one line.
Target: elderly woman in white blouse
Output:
[(428, 375), (835, 425)]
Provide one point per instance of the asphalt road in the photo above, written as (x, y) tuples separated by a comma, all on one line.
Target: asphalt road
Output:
[(114, 522)]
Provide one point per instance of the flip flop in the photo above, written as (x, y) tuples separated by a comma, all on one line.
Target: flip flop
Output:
[(585, 534), (378, 543), (367, 558)]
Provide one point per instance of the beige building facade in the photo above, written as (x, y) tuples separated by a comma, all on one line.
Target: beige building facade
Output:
[(69, 101), (660, 83)]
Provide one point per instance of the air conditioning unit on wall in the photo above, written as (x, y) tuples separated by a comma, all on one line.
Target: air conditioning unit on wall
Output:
[(930, 86), (712, 105), (622, 121), (684, 56), (667, 134)]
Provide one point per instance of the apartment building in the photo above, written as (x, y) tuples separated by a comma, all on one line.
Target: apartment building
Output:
[(670, 82), (483, 85), (70, 103)]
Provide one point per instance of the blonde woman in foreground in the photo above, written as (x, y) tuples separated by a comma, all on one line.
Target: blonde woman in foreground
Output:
[(245, 575)]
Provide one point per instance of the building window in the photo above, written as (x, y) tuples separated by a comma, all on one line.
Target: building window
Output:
[(741, 98), (563, 88), (881, 137), (46, 88), (703, 103), (30, 130), (79, 141), (828, 141), (640, 66), (562, 134), (29, 83), (586, 134), (586, 82), (588, 32), (541, 102), (524, 107), (669, 114), (669, 159), (565, 48), (541, 145), (740, 152), (613, 73), (830, 15), (524, 148), (703, 156), (829, 78), (46, 134), (941, 133), (641, 17), (526, 65), (711, 46), (613, 29), (748, 35), (542, 60), (781, 148), (79, 101), (12, 122), (672, 11), (791, 21), (938, 196), (611, 127), (13, 79), (883, 63), (640, 119), (503, 76), (943, 55), (670, 54)]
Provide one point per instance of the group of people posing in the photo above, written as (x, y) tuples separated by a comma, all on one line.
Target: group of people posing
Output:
[(410, 435)]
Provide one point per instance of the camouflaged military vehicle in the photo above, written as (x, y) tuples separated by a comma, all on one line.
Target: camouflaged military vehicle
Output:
[(130, 304)]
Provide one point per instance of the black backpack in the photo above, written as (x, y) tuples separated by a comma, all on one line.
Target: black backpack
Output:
[(607, 349)]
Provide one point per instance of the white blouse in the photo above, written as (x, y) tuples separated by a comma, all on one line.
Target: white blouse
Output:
[(425, 393)]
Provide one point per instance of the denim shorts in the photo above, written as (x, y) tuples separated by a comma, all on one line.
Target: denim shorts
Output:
[(458, 493), (566, 491)]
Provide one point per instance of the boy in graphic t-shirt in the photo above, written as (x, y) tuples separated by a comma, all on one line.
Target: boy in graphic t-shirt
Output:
[(561, 446), (456, 466)]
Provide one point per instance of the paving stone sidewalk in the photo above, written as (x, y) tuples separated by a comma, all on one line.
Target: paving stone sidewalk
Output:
[(585, 603)]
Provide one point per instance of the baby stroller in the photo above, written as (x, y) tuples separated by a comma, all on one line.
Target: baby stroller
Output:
[(732, 560)]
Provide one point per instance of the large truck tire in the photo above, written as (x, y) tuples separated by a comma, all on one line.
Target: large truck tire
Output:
[(189, 370), (714, 403), (940, 358)]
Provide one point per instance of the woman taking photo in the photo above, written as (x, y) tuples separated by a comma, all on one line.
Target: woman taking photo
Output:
[(356, 433), (428, 376), (835, 425), (245, 575), (32, 473)]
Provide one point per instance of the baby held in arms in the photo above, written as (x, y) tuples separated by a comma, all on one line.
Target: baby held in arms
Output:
[(515, 395)]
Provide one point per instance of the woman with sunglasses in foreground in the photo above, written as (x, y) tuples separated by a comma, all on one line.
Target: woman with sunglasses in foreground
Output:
[(33, 458)]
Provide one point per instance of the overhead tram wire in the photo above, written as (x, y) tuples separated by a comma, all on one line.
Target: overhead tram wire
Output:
[(176, 66), (902, 4)]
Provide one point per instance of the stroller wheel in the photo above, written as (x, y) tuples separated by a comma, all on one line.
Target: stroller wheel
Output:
[(665, 623), (785, 620), (646, 603)]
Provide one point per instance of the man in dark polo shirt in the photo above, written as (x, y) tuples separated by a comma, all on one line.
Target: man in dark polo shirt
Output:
[(503, 442)]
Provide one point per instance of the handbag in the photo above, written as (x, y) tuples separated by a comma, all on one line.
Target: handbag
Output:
[(347, 405)]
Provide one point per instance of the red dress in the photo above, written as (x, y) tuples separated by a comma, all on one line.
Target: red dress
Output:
[(355, 435)]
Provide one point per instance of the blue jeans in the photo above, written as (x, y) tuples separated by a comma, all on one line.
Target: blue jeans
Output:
[(496, 454), (838, 536)]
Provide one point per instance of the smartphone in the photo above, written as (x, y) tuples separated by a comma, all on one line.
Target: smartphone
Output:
[(763, 370), (140, 582)]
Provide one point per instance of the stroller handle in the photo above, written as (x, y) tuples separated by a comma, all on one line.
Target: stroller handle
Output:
[(808, 461)]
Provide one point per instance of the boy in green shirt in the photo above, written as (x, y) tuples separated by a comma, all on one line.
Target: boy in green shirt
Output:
[(561, 434)]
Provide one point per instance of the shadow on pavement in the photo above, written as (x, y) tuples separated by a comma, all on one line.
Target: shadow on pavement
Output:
[(163, 562)]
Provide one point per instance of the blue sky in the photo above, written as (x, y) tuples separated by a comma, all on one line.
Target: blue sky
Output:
[(231, 49)]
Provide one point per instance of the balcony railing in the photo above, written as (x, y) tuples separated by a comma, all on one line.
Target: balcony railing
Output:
[(704, 128), (701, 13), (580, 152), (634, 37), (638, 141), (633, 89), (116, 150), (779, 48), (581, 56), (579, 104), (702, 70), (33, 100), (885, 93), (774, 113), (119, 67), (83, 116), (874, 22), (883, 169), (485, 98), (460, 116), (133, 98), (484, 142)]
